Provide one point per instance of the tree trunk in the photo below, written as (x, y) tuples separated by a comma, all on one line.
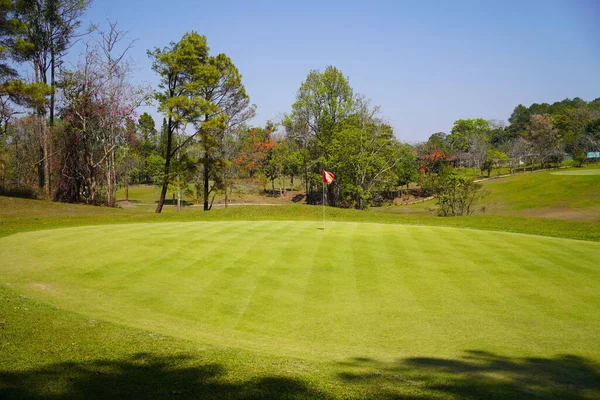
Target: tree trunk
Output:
[(206, 184), (163, 191), (113, 177), (52, 106), (40, 164), (127, 191), (178, 198), (108, 184), (45, 155)]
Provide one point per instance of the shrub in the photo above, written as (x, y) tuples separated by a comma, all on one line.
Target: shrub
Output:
[(456, 195)]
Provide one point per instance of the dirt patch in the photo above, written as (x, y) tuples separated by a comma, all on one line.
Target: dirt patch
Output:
[(42, 286), (560, 213)]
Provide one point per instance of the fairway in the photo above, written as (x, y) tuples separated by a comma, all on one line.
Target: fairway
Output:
[(352, 290)]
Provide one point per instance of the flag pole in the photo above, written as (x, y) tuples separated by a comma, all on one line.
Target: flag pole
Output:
[(323, 202)]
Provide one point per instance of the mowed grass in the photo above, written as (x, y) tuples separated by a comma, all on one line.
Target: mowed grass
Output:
[(572, 194), (258, 302), (351, 290), (579, 172)]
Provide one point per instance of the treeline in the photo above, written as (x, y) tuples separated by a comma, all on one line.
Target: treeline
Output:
[(540, 135), (72, 134), (64, 130)]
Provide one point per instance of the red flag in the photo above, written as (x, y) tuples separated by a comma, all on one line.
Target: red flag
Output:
[(328, 177)]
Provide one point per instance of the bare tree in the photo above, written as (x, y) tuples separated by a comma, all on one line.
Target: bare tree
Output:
[(120, 98), (99, 100), (478, 148), (519, 151)]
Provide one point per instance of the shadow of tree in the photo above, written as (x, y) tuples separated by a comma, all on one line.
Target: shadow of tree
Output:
[(173, 202), (476, 375), (298, 198), (145, 376)]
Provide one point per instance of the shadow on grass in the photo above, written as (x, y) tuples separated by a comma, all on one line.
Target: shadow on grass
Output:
[(476, 375), (145, 376), (173, 202)]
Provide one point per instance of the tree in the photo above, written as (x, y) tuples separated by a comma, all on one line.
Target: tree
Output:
[(432, 166), (464, 129), (200, 90), (497, 158), (222, 87), (8, 28), (322, 102), (456, 195), (519, 152), (519, 121), (47, 30), (364, 156), (148, 134), (407, 168), (180, 67), (438, 141), (99, 104), (478, 149), (119, 99), (545, 139)]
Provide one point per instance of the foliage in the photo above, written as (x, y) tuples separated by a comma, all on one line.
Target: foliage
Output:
[(98, 108), (431, 166), (545, 139), (203, 91), (323, 101), (456, 195), (464, 129)]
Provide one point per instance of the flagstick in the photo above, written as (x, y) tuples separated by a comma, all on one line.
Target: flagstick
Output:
[(323, 202)]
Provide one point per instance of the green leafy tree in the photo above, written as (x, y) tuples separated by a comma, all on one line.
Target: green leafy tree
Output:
[(47, 28), (203, 91), (496, 158), (464, 129), (181, 69), (222, 89), (407, 167), (456, 195), (545, 139), (322, 102), (364, 156)]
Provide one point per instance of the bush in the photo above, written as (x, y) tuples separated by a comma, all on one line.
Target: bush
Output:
[(23, 193), (456, 195), (579, 158)]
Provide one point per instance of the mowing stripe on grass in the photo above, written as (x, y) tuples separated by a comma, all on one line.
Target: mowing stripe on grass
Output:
[(355, 289)]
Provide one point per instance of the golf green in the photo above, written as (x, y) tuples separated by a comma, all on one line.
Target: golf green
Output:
[(351, 290)]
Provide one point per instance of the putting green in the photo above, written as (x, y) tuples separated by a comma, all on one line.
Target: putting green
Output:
[(580, 172), (353, 289)]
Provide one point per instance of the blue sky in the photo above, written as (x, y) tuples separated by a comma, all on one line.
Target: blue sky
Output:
[(426, 63)]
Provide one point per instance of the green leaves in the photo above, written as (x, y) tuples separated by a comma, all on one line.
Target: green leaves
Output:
[(201, 91), (456, 195)]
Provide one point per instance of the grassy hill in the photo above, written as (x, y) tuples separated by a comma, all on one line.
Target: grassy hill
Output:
[(572, 194)]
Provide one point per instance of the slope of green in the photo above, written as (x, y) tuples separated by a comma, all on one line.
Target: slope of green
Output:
[(573, 194)]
